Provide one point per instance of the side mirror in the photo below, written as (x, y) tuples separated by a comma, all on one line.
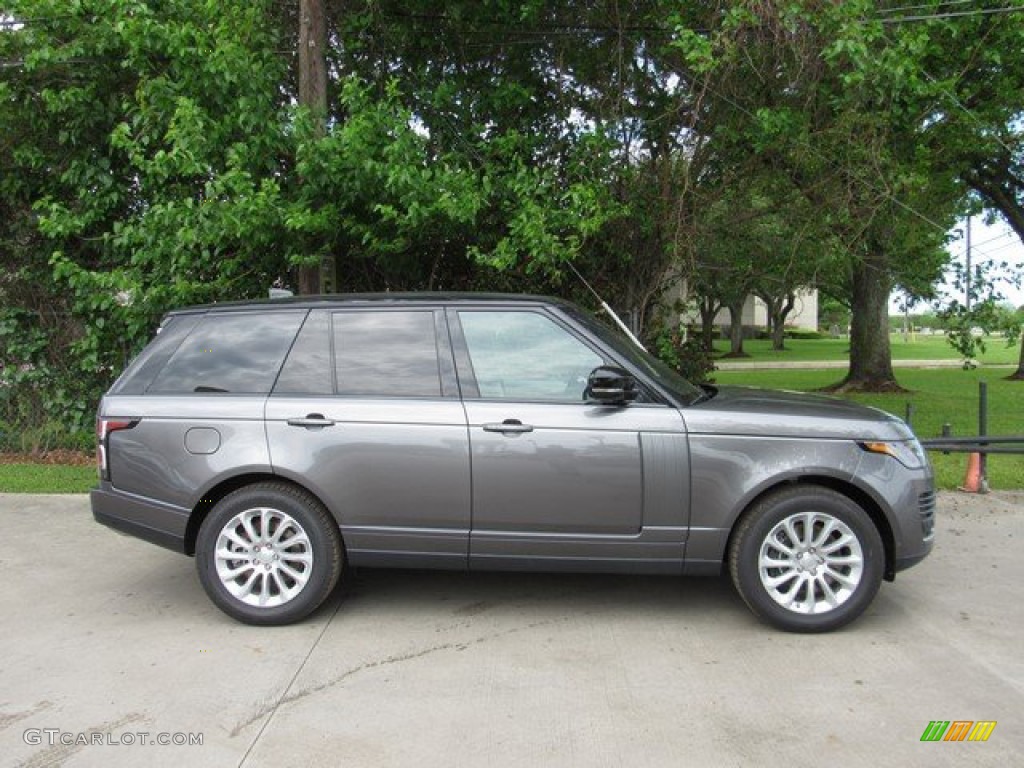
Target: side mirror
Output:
[(610, 385)]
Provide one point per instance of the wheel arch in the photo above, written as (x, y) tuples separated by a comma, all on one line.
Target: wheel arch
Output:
[(213, 496), (850, 490)]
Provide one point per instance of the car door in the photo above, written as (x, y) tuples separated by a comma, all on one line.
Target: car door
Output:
[(366, 414), (557, 482)]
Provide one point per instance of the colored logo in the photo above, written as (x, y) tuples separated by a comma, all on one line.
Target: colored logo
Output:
[(958, 730)]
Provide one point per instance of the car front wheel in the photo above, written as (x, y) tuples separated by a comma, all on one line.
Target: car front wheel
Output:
[(269, 554), (807, 559)]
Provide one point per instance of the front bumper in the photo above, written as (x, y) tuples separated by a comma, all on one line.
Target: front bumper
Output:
[(917, 530)]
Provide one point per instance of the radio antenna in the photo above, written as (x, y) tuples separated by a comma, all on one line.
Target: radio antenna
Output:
[(604, 305)]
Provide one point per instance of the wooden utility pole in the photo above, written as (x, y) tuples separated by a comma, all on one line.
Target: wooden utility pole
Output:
[(967, 271), (316, 278)]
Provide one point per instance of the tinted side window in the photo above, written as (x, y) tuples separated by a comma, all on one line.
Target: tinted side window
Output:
[(140, 374), (239, 353), (526, 356), (386, 353), (307, 371)]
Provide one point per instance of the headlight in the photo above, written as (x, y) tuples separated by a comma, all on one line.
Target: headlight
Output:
[(909, 453)]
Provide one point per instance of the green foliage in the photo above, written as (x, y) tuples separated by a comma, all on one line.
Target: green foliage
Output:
[(550, 211), (687, 356), (832, 312), (968, 325), (967, 329), (816, 110), (157, 160), (143, 178), (152, 155)]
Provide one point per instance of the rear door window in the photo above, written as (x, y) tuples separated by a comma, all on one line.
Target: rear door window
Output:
[(386, 353)]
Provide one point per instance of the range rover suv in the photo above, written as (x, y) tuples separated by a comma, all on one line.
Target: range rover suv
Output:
[(278, 442)]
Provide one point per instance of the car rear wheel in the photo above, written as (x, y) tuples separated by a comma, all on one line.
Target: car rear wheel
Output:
[(807, 559), (269, 554)]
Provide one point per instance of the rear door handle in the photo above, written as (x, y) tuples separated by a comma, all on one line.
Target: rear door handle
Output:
[(311, 420), (509, 427)]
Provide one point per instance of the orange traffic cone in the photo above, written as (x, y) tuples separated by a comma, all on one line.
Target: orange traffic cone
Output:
[(972, 480)]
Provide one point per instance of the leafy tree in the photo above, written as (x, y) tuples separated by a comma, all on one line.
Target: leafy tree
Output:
[(155, 154), (820, 94), (60, 91), (983, 312), (156, 158), (976, 66)]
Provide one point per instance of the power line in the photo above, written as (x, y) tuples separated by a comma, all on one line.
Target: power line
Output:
[(928, 6), (540, 30), (994, 239), (951, 15), (821, 156), (977, 120), (990, 251), (952, 97)]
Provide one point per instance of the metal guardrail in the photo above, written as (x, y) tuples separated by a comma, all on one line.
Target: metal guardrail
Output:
[(979, 446), (986, 444), (982, 443)]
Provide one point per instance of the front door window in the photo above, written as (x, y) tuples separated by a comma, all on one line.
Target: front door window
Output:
[(526, 356)]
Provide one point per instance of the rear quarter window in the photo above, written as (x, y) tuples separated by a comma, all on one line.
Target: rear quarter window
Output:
[(140, 373), (232, 353)]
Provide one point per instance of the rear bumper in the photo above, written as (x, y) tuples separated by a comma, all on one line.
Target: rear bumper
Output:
[(146, 519)]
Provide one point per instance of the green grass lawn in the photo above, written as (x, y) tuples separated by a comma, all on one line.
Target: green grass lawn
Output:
[(46, 478), (938, 396), (915, 348)]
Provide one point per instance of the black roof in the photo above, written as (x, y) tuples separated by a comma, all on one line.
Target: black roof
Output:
[(347, 299)]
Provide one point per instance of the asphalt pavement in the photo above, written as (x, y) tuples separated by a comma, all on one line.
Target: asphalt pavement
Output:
[(109, 646)]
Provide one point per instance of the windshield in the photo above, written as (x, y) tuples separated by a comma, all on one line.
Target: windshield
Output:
[(646, 362)]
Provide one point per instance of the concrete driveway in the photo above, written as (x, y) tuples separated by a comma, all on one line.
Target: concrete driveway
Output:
[(110, 640)]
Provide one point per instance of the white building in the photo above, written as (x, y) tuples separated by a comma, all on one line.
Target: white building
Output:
[(755, 312)]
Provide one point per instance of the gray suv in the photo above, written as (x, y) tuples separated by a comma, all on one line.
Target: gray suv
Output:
[(279, 442)]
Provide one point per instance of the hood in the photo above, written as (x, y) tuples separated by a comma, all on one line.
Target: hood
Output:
[(775, 413)]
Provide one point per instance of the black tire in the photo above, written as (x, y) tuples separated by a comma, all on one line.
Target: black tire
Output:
[(289, 551), (833, 567)]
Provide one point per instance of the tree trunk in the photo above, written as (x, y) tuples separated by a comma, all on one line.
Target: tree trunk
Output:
[(778, 332), (313, 96), (736, 329), (870, 355), (708, 310), (778, 310), (1018, 375)]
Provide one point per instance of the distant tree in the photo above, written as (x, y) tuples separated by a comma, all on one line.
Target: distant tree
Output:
[(819, 93)]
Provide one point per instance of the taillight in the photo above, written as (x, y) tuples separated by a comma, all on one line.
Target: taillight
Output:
[(103, 429)]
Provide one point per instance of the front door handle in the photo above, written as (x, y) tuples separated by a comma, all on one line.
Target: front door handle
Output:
[(509, 427), (311, 420)]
